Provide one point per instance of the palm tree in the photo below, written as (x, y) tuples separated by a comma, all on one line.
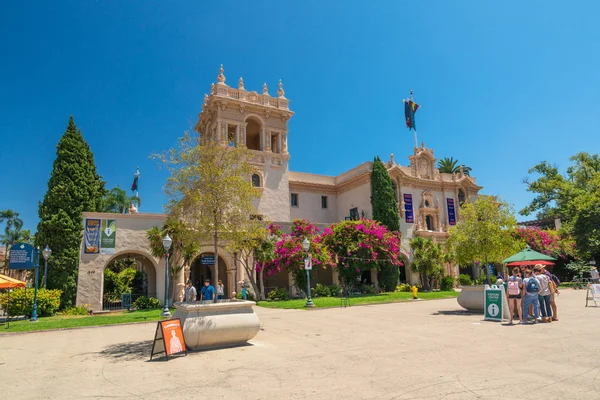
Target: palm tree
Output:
[(13, 221), (451, 166), (117, 201)]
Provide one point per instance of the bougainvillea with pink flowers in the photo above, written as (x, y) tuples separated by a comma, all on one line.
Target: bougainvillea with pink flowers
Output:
[(361, 245), (546, 241), (289, 255)]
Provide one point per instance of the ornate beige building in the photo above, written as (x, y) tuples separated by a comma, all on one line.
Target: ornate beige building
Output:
[(428, 201)]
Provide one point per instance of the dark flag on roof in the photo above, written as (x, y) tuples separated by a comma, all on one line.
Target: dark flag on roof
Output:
[(410, 108)]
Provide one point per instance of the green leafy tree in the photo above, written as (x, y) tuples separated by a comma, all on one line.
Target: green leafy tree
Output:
[(13, 223), (116, 200), (210, 189), (428, 260), (385, 210), (74, 187), (484, 232), (451, 166), (573, 197)]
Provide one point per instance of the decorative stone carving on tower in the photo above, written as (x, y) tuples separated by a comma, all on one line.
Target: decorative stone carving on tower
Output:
[(422, 164), (241, 84), (221, 76), (280, 92), (265, 89)]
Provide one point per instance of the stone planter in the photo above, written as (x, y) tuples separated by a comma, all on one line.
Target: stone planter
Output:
[(222, 324), (472, 298)]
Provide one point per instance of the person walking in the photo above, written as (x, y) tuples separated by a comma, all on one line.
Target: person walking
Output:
[(190, 292), (544, 293), (208, 291), (220, 290), (554, 284), (595, 275), (531, 297), (515, 294)]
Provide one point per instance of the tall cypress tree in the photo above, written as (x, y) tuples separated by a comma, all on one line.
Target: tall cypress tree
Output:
[(74, 187), (385, 210)]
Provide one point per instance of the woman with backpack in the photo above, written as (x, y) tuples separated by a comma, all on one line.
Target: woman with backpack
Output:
[(531, 297), (515, 294)]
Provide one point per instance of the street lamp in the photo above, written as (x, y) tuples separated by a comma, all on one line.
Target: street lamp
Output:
[(46, 253), (166, 242), (37, 267), (307, 267)]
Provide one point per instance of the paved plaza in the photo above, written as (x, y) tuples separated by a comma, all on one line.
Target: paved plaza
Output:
[(417, 350)]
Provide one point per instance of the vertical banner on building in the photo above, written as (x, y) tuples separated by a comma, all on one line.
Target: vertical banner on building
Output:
[(92, 236), (451, 212), (408, 208), (109, 236)]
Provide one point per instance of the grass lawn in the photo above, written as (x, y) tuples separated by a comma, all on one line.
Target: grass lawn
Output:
[(77, 321), (325, 302)]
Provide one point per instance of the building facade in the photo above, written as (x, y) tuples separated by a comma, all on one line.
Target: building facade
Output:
[(428, 201)]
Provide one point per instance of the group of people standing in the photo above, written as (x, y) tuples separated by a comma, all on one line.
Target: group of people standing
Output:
[(207, 292), (531, 290)]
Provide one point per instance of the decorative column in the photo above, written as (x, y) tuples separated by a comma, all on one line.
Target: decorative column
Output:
[(267, 140), (284, 140), (279, 142), (238, 139), (243, 132), (224, 137)]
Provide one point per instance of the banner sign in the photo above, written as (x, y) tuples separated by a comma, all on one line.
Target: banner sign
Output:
[(496, 304), (207, 260), (308, 263), (109, 236), (168, 338), (408, 209), (451, 212), (21, 256), (92, 236), (593, 294)]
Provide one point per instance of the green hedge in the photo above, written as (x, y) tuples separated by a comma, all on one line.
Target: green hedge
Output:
[(21, 302)]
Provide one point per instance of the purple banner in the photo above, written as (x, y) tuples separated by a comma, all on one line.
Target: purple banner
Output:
[(408, 209), (451, 212)]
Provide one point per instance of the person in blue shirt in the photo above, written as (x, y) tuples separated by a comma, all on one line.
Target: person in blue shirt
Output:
[(207, 292)]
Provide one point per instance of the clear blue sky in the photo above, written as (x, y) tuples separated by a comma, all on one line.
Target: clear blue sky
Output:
[(502, 85)]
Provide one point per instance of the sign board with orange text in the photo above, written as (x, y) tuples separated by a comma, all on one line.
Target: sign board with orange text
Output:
[(168, 338)]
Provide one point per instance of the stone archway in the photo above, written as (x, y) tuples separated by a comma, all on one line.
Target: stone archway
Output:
[(201, 268), (140, 261)]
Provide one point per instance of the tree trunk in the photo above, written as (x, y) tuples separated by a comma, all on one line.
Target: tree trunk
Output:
[(262, 283), (215, 281)]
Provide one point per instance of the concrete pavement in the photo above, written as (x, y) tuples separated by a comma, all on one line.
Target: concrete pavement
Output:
[(416, 350)]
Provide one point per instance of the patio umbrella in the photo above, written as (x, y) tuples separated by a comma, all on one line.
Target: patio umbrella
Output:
[(529, 257), (7, 282)]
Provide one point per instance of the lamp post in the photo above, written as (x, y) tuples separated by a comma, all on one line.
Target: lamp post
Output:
[(167, 241), (37, 267), (46, 253), (307, 267)]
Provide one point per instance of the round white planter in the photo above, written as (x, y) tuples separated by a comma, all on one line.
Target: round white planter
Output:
[(472, 298), (222, 324)]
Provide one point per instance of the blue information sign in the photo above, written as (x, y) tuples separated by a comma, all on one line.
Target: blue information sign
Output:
[(408, 208), (451, 212), (22, 256), (207, 260)]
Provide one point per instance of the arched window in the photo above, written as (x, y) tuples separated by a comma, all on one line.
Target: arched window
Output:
[(255, 180), (426, 203), (429, 222), (461, 197)]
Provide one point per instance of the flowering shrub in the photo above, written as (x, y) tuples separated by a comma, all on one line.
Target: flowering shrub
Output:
[(289, 255), (361, 245), (549, 242)]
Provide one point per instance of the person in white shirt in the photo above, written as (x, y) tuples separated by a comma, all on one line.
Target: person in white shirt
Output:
[(544, 294), (595, 275), (190, 292)]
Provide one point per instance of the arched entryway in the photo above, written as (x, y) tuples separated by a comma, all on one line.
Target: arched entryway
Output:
[(203, 268), (126, 277)]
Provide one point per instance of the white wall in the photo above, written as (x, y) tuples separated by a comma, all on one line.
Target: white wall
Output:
[(274, 203), (359, 197), (309, 207)]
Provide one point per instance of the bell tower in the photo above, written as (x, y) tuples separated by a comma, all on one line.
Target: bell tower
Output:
[(259, 122)]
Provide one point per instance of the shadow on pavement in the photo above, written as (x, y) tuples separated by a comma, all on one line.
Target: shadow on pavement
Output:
[(455, 312), (128, 351)]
